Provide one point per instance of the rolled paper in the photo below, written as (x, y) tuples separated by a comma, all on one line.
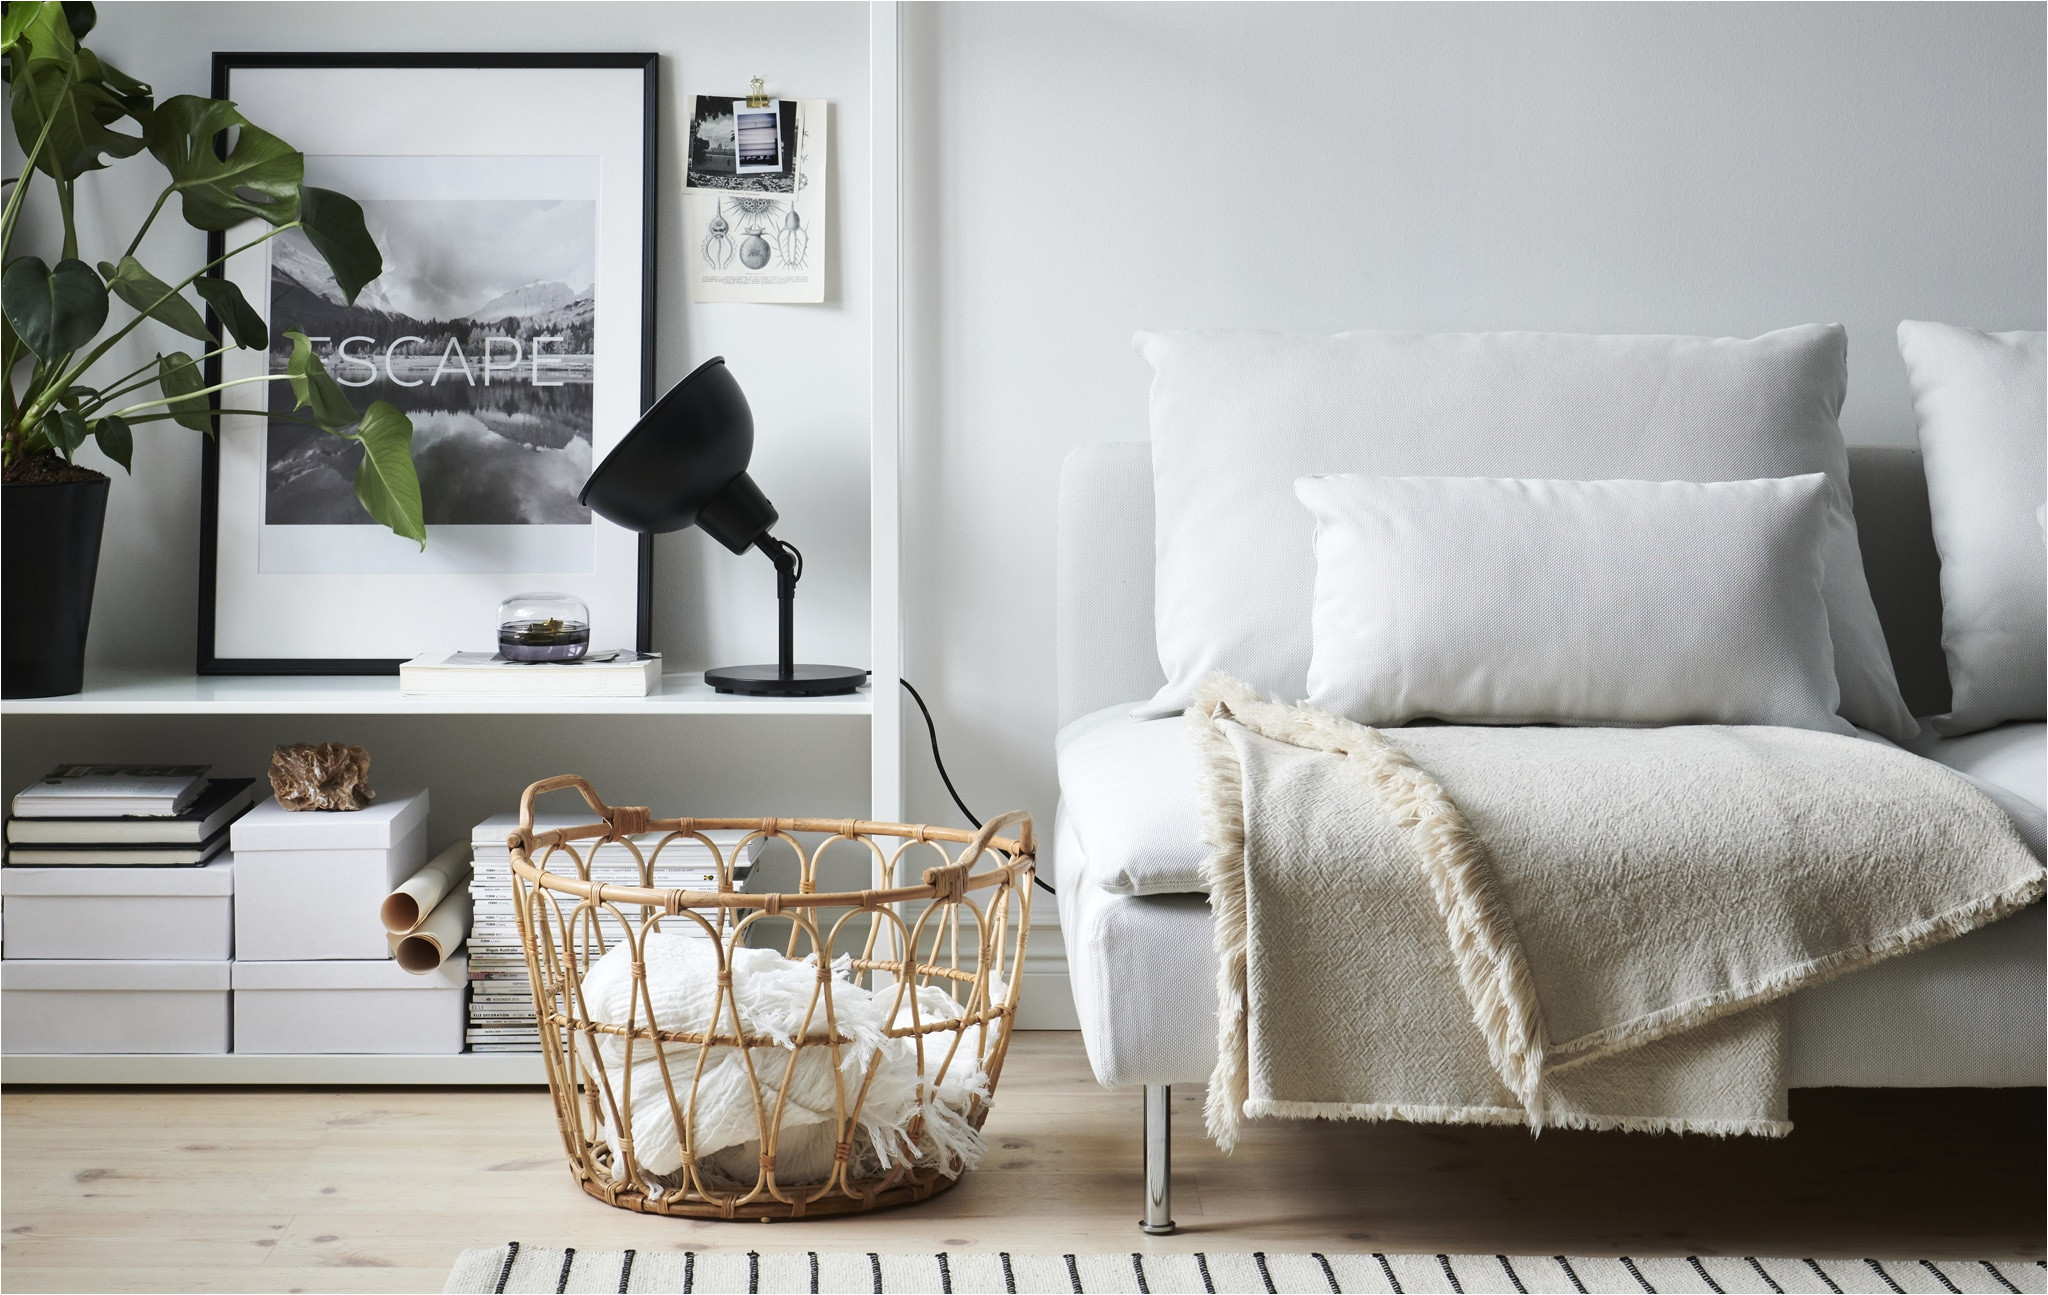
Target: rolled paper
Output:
[(416, 896), (435, 939)]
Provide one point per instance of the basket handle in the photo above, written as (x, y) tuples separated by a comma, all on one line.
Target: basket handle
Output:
[(559, 782), (1026, 844)]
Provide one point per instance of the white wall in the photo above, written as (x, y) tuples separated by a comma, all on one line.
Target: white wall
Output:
[(1077, 172), (1081, 171)]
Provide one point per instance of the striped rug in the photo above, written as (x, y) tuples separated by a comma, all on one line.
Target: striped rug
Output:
[(518, 1268)]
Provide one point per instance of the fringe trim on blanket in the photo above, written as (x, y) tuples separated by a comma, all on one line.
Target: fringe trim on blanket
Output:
[(1488, 953), (1509, 1115), (1816, 971), (1219, 786)]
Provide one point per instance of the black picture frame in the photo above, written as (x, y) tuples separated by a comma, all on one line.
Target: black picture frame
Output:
[(224, 65)]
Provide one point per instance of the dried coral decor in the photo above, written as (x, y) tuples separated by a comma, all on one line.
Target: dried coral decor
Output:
[(960, 929)]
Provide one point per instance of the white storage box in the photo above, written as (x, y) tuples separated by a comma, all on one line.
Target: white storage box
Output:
[(73, 1005), (133, 914), (385, 822), (310, 884), (299, 1007)]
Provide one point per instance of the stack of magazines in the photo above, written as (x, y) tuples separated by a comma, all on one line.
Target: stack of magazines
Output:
[(501, 1015), (125, 815)]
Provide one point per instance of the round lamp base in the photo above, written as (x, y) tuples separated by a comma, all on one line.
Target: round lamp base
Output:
[(803, 680)]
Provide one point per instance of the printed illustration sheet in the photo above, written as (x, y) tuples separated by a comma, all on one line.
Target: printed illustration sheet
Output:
[(754, 206)]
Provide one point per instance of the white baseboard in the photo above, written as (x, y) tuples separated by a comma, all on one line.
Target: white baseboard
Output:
[(1048, 1002)]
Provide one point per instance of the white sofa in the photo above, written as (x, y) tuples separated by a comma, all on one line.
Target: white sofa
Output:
[(1970, 1013)]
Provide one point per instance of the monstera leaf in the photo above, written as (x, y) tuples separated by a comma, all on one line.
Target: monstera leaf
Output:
[(259, 177), (79, 17), (334, 225), (65, 430), (79, 114), (56, 84), (235, 312), (153, 297), (43, 31), (15, 22), (53, 311), (47, 31), (386, 482), (135, 96), (179, 376), (315, 388), (116, 440)]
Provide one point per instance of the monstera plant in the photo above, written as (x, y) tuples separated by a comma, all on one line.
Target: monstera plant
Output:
[(73, 114)]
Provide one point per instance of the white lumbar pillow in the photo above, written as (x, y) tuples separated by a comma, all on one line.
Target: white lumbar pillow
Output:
[(1982, 401), (1491, 601), (1237, 416)]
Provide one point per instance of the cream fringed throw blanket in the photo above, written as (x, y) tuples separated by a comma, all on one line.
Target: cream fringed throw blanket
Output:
[(1577, 927)]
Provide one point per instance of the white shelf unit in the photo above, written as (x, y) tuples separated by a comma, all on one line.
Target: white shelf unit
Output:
[(680, 694), (166, 694), (462, 1069)]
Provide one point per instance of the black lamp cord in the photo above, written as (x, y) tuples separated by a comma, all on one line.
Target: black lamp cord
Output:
[(940, 761), (931, 729), (796, 573)]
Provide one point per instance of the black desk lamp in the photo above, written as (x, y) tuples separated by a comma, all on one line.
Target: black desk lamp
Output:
[(685, 463)]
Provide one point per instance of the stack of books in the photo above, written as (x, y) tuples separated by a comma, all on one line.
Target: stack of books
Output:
[(125, 815), (501, 1015)]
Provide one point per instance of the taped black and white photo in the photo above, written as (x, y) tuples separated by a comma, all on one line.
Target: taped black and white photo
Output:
[(757, 138), (717, 160)]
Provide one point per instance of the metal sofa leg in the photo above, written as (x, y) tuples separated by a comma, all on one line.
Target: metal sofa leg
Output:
[(1158, 1220)]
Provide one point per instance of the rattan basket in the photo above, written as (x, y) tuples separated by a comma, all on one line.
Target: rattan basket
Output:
[(960, 927)]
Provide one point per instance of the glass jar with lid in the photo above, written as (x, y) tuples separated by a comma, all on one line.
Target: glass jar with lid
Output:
[(543, 627)]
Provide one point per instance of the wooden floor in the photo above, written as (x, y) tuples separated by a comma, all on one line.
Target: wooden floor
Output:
[(377, 1190)]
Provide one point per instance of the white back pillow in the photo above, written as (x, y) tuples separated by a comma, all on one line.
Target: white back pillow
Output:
[(1481, 600), (1982, 401), (1237, 416)]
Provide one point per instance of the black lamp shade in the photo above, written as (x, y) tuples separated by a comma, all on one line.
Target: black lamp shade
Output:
[(685, 464)]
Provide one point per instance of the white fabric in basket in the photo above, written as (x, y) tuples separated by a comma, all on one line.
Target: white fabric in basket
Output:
[(773, 993)]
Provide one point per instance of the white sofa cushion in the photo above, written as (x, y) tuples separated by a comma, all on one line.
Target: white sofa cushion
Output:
[(1982, 402), (2012, 756), (1132, 783), (1237, 416), (2008, 763), (1512, 601)]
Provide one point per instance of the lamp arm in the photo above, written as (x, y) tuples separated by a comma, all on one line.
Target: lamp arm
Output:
[(789, 568)]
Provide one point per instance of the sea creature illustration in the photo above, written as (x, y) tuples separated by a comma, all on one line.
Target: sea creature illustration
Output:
[(718, 243), (794, 240), (755, 216)]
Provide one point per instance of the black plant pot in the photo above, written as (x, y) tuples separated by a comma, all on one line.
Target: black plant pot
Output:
[(51, 533)]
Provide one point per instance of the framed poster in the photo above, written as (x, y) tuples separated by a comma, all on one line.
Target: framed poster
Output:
[(513, 324)]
